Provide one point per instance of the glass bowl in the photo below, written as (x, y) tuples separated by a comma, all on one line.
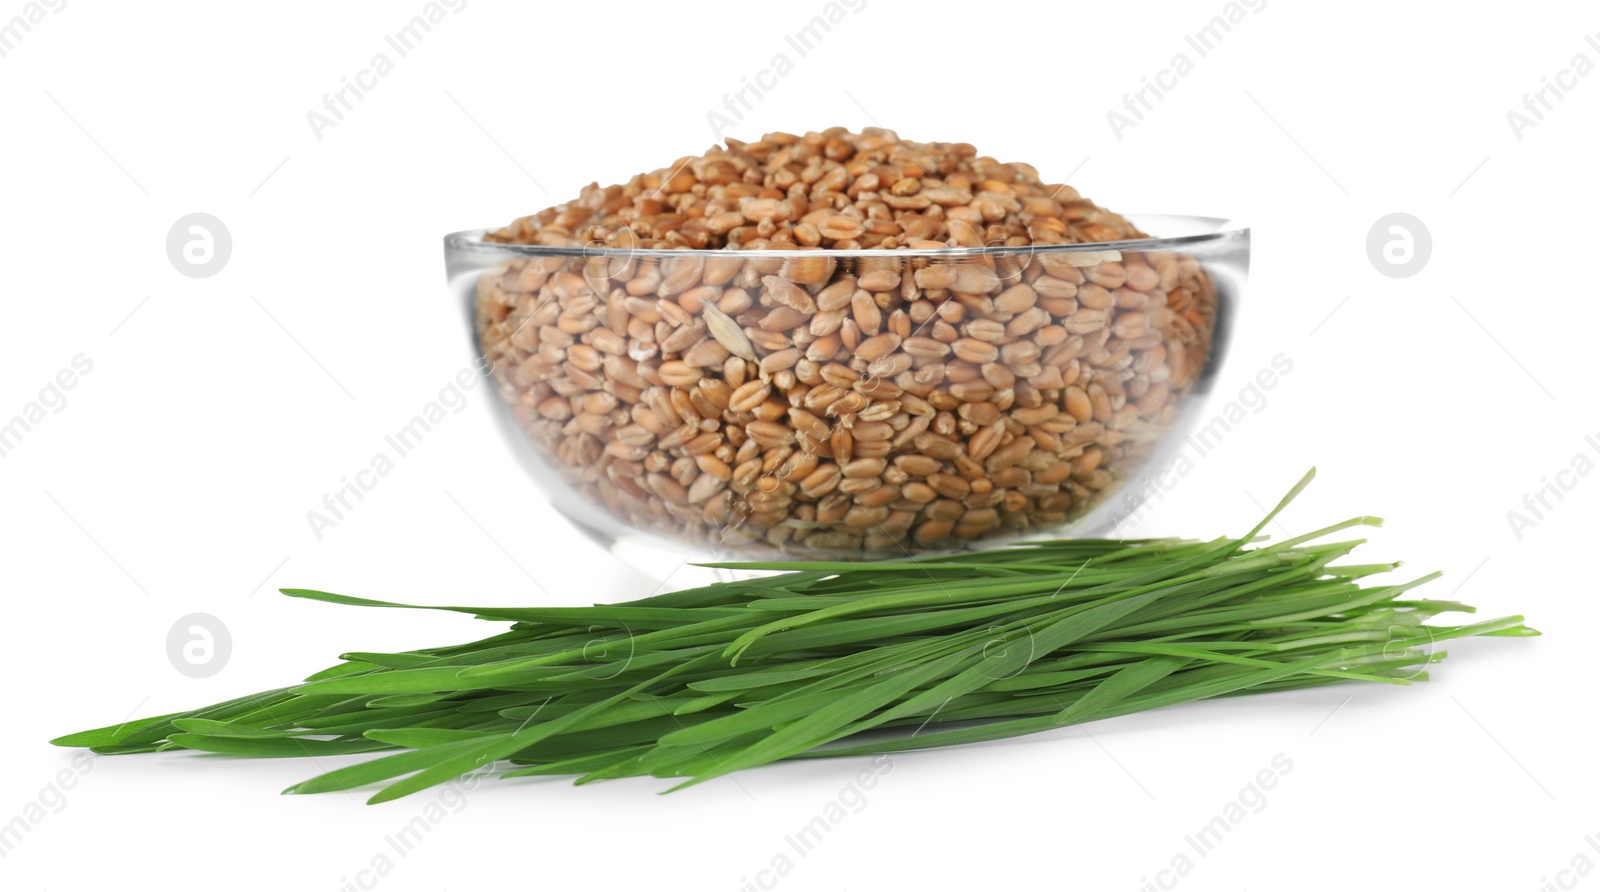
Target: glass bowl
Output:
[(722, 404)]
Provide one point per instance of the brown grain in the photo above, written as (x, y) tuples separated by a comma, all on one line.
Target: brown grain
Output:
[(820, 403)]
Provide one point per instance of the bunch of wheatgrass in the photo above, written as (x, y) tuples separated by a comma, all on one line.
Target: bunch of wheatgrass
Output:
[(925, 652)]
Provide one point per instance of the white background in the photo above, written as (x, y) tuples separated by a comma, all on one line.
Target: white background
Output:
[(219, 411)]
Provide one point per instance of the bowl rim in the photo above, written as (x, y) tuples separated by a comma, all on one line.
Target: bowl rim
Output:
[(1217, 229)]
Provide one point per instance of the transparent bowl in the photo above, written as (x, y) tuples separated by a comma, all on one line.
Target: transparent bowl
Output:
[(720, 404)]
